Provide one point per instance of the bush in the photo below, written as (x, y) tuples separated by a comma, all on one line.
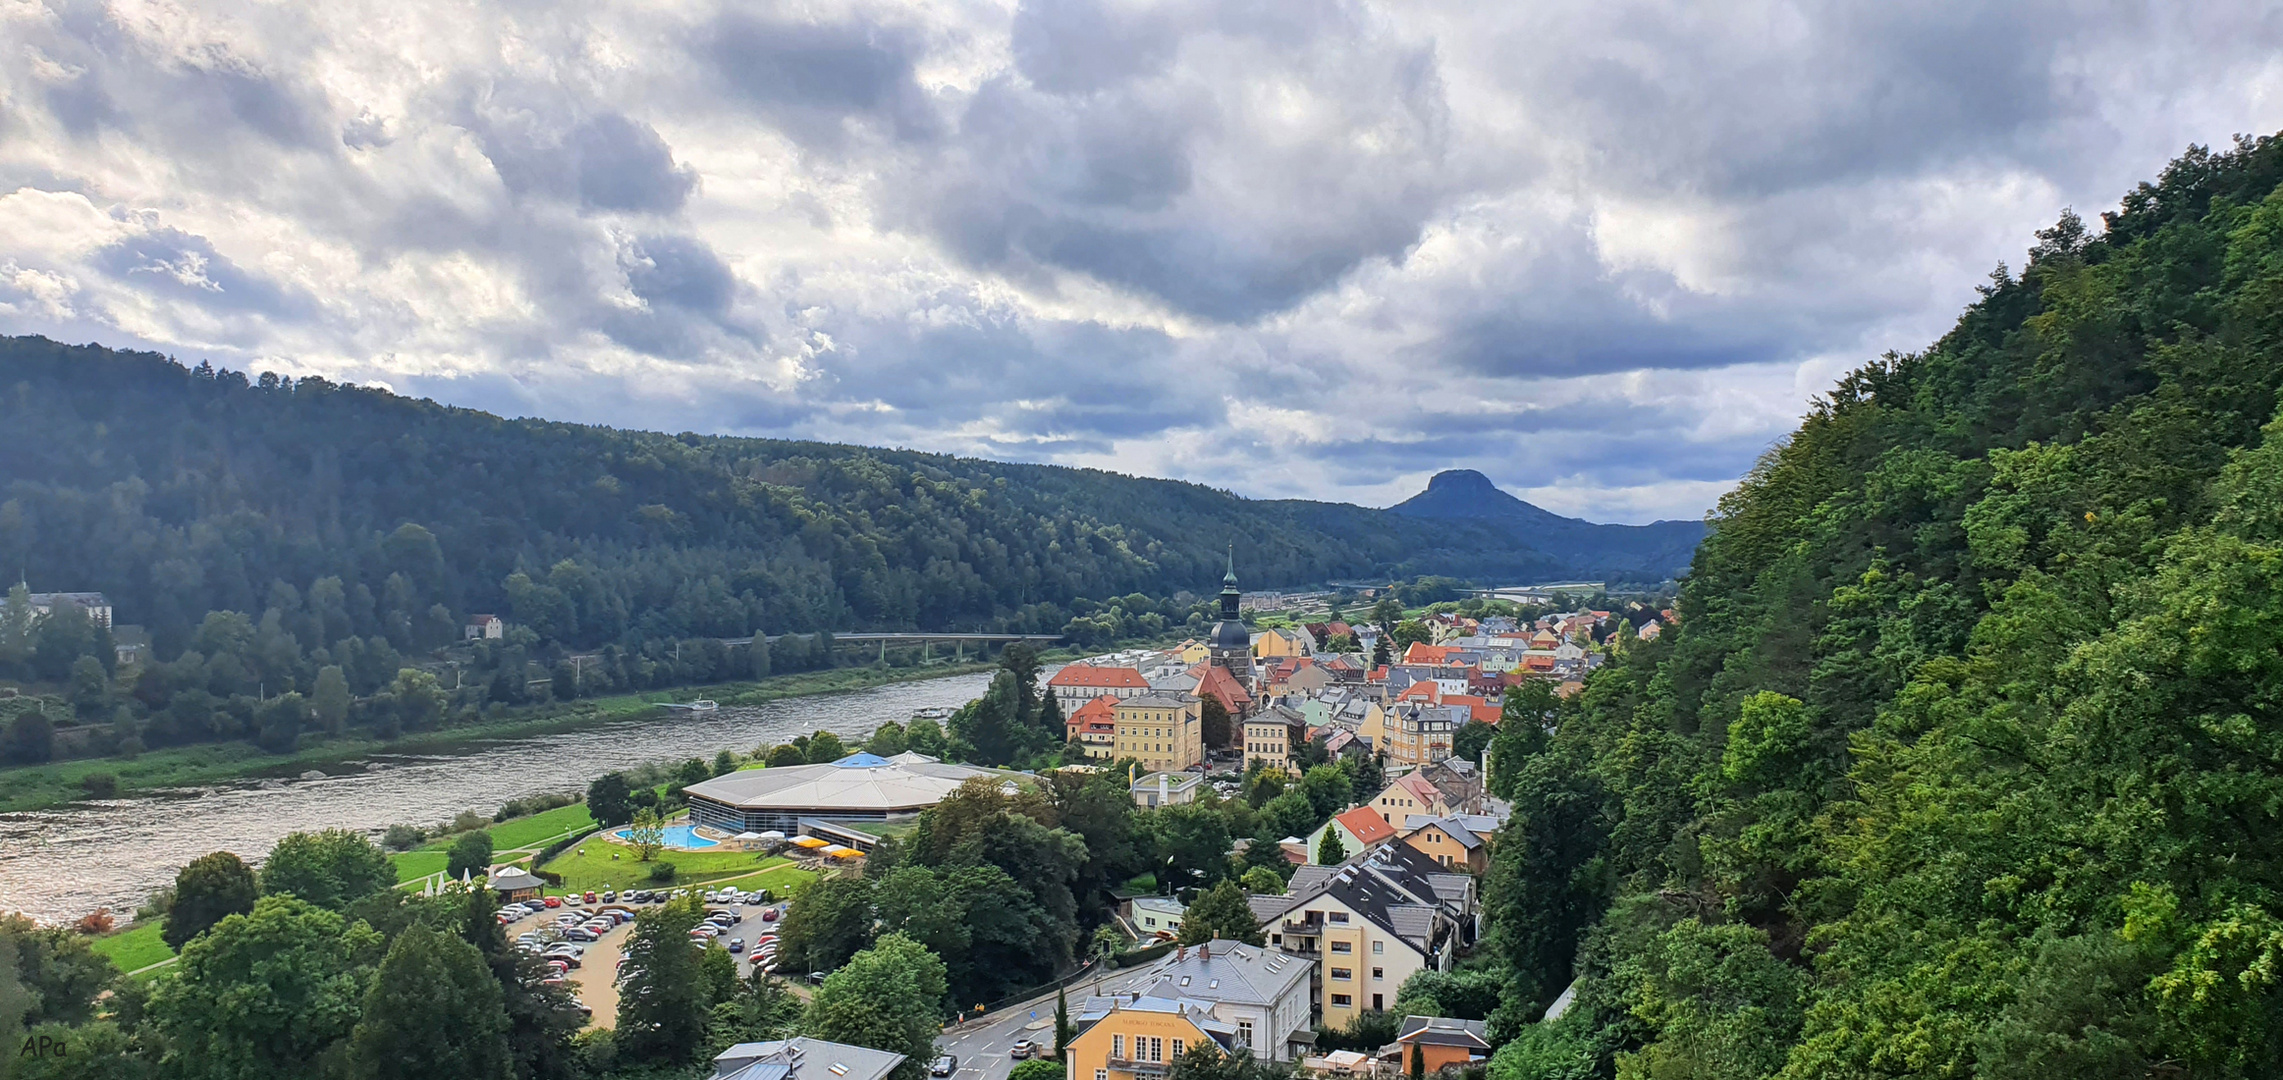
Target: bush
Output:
[(662, 872), (468, 821), (403, 837), (96, 922), (100, 785), (1036, 1069)]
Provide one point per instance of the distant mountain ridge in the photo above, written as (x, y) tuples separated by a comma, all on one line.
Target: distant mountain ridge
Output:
[(1661, 548), (177, 491)]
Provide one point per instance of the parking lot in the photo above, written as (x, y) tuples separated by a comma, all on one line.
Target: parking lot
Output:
[(594, 981)]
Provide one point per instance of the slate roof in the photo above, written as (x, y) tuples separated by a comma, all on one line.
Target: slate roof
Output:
[(1444, 1031), (1228, 971), (1398, 889), (1451, 827), (803, 1058)]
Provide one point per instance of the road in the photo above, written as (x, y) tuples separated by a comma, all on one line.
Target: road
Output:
[(982, 1044)]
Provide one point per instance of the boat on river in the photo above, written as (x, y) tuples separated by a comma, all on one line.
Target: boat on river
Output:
[(701, 705)]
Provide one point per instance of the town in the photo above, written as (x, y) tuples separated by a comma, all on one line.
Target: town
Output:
[(1268, 842)]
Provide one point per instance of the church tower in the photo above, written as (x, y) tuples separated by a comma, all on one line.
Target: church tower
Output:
[(1230, 643)]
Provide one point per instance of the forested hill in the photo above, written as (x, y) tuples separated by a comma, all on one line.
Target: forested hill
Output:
[(178, 491), (1653, 550), (1967, 758)]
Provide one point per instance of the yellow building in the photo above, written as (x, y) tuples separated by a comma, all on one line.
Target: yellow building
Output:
[(1138, 1039), (1192, 652), (1161, 731), (1270, 736), (1279, 642)]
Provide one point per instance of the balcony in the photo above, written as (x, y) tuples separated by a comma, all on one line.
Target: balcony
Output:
[(1308, 929), (1138, 1068)]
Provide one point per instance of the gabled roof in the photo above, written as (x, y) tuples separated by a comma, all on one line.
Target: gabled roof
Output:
[(1097, 714), (1444, 1031), (1367, 827), (1087, 676), (1422, 653), (1450, 827), (1416, 786)]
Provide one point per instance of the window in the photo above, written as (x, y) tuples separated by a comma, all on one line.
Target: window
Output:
[(1244, 1033), (1101, 1074), (1156, 1048), (1176, 1049), (1378, 973), (1339, 916), (1118, 1047), (1378, 947), (1343, 946), (1342, 1001), (1377, 1002), (1343, 974)]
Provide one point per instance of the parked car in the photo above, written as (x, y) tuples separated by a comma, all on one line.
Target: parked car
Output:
[(1022, 1050), (816, 978), (527, 937), (590, 897), (944, 1066), (553, 901), (609, 896), (577, 934), (736, 944), (535, 905), (769, 915)]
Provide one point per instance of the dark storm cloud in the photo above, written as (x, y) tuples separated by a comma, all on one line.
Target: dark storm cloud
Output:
[(607, 161), (810, 79), (688, 293)]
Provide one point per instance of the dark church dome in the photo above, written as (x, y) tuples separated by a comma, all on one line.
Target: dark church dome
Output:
[(1230, 636)]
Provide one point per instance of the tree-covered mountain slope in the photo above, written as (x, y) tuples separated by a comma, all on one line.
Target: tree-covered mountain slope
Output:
[(178, 491), (1967, 757), (1656, 550)]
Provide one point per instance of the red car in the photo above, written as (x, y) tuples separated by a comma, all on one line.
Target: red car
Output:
[(590, 898), (554, 901), (769, 915)]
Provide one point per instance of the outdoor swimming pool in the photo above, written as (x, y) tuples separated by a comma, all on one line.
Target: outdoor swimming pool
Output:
[(677, 836)]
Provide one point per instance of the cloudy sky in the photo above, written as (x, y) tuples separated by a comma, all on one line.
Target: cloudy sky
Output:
[(1601, 250)]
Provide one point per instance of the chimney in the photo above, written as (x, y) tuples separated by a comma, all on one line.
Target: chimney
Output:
[(1180, 953), (1162, 781), (1205, 951)]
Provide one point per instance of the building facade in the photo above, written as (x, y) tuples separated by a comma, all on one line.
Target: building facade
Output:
[(1159, 730)]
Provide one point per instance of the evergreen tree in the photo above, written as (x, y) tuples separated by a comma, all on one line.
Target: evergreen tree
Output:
[(331, 869), (1222, 913), (663, 1008), (1331, 851), (607, 799), (434, 1010)]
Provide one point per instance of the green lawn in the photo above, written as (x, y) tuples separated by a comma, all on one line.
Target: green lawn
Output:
[(537, 829), (137, 946), (414, 865), (596, 870)]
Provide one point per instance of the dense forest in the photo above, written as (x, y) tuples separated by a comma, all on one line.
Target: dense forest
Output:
[(178, 491), (1967, 758)]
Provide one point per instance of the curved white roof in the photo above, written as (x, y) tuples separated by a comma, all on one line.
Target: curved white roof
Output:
[(856, 782)]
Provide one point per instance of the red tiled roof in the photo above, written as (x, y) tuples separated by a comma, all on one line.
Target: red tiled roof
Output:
[(1368, 827), (1098, 714), (1489, 714), (1084, 675), (1423, 653), (1419, 788)]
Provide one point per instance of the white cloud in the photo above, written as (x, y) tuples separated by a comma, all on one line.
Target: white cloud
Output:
[(1602, 251)]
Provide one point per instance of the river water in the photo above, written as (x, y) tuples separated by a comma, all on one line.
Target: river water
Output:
[(59, 864)]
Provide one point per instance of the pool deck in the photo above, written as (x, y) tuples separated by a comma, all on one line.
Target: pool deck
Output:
[(716, 840)]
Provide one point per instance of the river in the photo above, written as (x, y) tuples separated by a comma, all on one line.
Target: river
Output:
[(59, 864)]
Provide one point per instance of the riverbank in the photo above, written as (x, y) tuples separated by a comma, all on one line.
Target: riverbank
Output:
[(35, 787)]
